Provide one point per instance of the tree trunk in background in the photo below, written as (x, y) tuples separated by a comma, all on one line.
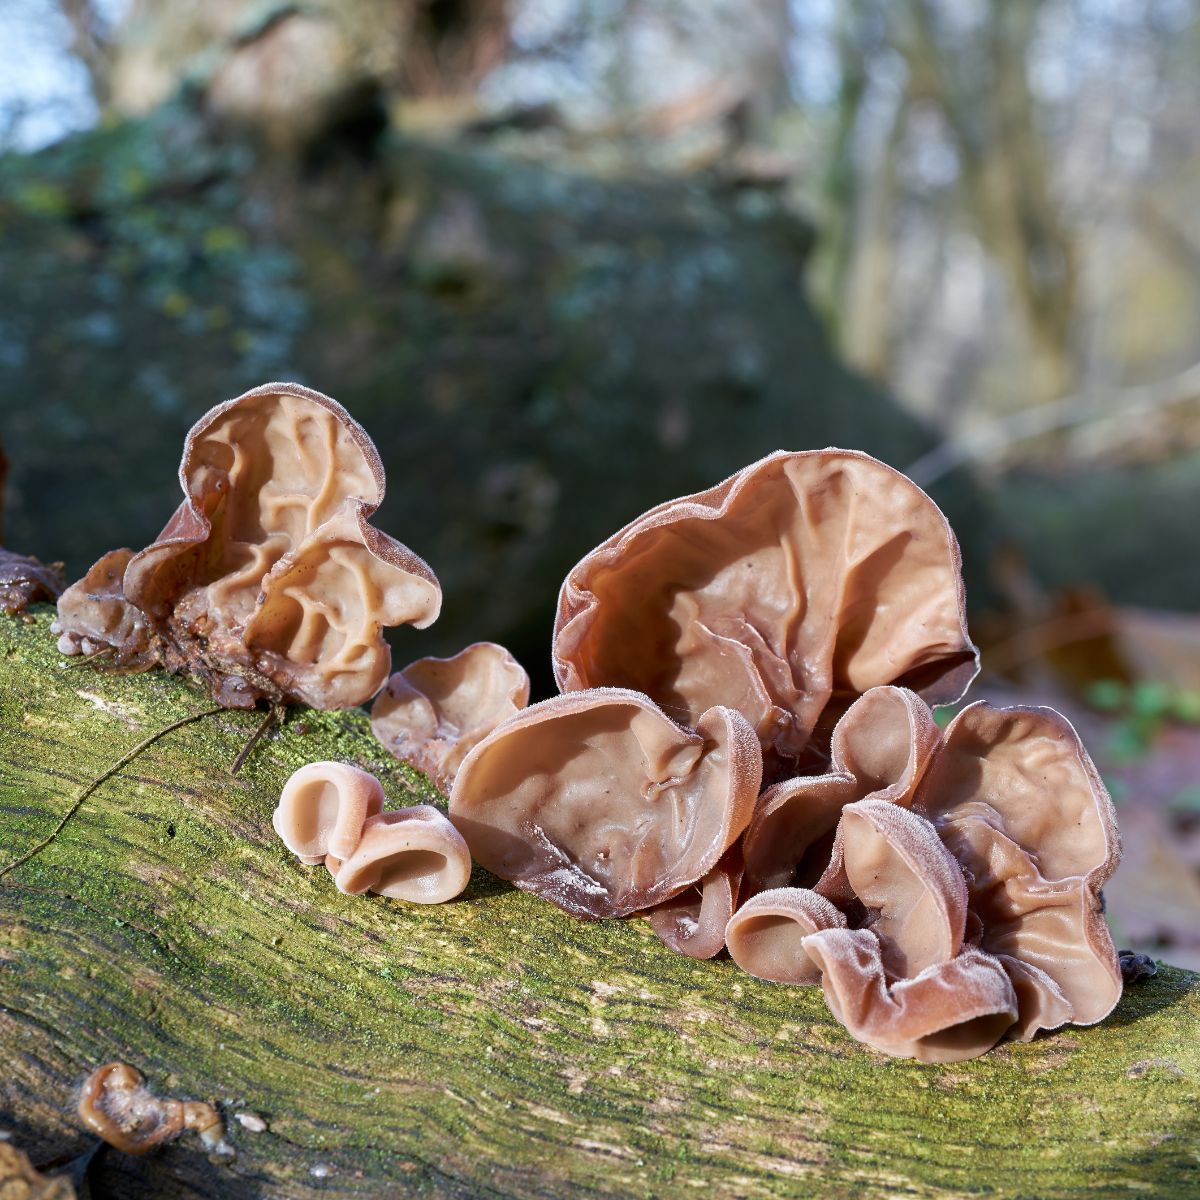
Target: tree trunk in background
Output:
[(490, 1047)]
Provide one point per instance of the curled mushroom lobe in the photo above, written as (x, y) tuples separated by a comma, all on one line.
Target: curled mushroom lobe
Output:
[(118, 1107), (1018, 801), (600, 803), (333, 813), (785, 592), (269, 580), (880, 750), (694, 921), (436, 710)]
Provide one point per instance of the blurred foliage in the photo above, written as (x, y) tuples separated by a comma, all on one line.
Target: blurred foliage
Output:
[(1141, 709)]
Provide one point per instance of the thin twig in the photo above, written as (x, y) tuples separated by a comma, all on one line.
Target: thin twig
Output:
[(91, 658), (124, 761), (272, 714)]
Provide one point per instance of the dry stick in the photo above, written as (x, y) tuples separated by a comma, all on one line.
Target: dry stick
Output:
[(239, 762), (77, 803), (91, 658)]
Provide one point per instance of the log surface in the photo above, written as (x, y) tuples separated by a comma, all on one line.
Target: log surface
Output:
[(492, 1047)]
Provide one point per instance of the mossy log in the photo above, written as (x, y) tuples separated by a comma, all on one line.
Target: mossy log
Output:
[(489, 1047)]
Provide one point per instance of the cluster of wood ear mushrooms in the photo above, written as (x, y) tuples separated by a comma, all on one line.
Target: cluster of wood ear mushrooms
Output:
[(742, 750)]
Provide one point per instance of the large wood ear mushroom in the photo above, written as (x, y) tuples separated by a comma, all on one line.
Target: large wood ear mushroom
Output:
[(269, 581), (785, 592), (323, 808), (436, 710), (600, 803)]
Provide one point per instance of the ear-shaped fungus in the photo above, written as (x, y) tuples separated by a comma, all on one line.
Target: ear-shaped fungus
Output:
[(786, 592), (322, 810), (268, 581), (766, 935), (93, 615), (599, 802), (880, 749), (24, 580), (694, 921), (412, 854), (436, 710), (333, 813), (1016, 798)]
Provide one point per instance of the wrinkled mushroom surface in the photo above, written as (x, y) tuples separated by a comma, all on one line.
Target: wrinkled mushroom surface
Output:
[(766, 935), (785, 592), (436, 710), (93, 615), (880, 749), (1018, 801), (599, 802), (333, 813), (269, 580)]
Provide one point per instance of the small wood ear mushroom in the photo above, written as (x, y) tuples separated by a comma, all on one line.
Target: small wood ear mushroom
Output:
[(785, 592), (880, 749), (1018, 801), (333, 813), (413, 854), (118, 1107), (765, 936), (436, 710), (600, 803), (323, 808)]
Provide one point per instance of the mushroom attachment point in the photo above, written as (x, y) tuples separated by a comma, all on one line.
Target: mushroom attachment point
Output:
[(694, 921), (333, 813), (785, 592), (269, 581), (597, 801), (436, 710)]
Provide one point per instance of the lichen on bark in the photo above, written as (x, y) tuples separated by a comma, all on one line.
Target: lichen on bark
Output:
[(489, 1047)]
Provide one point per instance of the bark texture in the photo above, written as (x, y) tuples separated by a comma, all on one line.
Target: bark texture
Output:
[(489, 1047)]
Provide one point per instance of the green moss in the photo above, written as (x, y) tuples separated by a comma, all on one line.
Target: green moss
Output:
[(491, 1046)]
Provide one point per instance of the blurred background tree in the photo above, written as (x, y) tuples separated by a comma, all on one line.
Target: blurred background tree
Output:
[(567, 257)]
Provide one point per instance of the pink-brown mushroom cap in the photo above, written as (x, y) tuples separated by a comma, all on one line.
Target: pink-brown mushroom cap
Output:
[(599, 802), (694, 921), (93, 614), (1017, 799), (766, 935), (880, 749), (269, 575), (412, 854), (436, 710), (786, 592), (950, 1011), (323, 808)]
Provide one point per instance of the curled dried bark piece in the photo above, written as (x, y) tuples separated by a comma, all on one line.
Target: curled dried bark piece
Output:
[(766, 935), (599, 802), (436, 710), (693, 923), (24, 580), (893, 864), (1016, 798), (786, 592), (117, 1106), (880, 749), (323, 808), (412, 854), (269, 581), (950, 1011)]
